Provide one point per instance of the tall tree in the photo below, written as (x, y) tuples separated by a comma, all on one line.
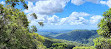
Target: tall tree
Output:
[(104, 42), (14, 33)]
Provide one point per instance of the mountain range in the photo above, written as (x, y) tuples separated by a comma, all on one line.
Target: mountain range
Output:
[(81, 36)]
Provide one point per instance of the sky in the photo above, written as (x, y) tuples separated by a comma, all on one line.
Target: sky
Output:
[(66, 14)]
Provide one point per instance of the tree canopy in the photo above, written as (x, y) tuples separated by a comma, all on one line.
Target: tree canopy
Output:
[(14, 32), (104, 42)]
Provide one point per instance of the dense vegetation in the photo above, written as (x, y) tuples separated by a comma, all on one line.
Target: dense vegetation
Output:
[(15, 33), (104, 42), (53, 43)]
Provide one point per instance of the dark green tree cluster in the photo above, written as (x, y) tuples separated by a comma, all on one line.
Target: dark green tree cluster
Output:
[(59, 46), (83, 47), (14, 31)]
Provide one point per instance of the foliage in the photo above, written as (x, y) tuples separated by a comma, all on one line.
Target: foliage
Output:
[(14, 33), (13, 3), (104, 30), (83, 47), (105, 25), (102, 43), (58, 46), (33, 29), (37, 37), (41, 23), (51, 43), (34, 15)]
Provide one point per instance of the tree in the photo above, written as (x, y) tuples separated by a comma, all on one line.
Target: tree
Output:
[(59, 46), (104, 42), (13, 3), (83, 47), (105, 25), (35, 16), (14, 33)]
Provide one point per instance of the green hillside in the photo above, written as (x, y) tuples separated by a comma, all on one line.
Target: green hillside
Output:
[(82, 36), (51, 43)]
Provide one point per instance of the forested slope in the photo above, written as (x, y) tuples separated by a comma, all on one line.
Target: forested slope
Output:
[(82, 36)]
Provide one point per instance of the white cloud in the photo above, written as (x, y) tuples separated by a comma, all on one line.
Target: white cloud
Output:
[(43, 18), (95, 19), (77, 2), (103, 2), (80, 2), (35, 0), (108, 3), (30, 8), (47, 7), (76, 18), (93, 1), (40, 18), (77, 21), (79, 14), (53, 19), (2, 2)]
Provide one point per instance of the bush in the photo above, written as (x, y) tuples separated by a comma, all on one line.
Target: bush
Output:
[(82, 47)]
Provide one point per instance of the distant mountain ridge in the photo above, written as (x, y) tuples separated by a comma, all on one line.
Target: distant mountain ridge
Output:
[(82, 36), (48, 32)]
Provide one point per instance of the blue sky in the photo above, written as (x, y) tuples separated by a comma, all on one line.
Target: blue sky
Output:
[(66, 14)]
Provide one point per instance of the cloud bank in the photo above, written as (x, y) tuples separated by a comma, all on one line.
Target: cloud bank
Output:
[(108, 3), (47, 7), (75, 18), (80, 2), (46, 10)]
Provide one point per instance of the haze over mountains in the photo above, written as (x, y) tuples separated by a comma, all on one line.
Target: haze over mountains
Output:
[(82, 36), (48, 32)]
